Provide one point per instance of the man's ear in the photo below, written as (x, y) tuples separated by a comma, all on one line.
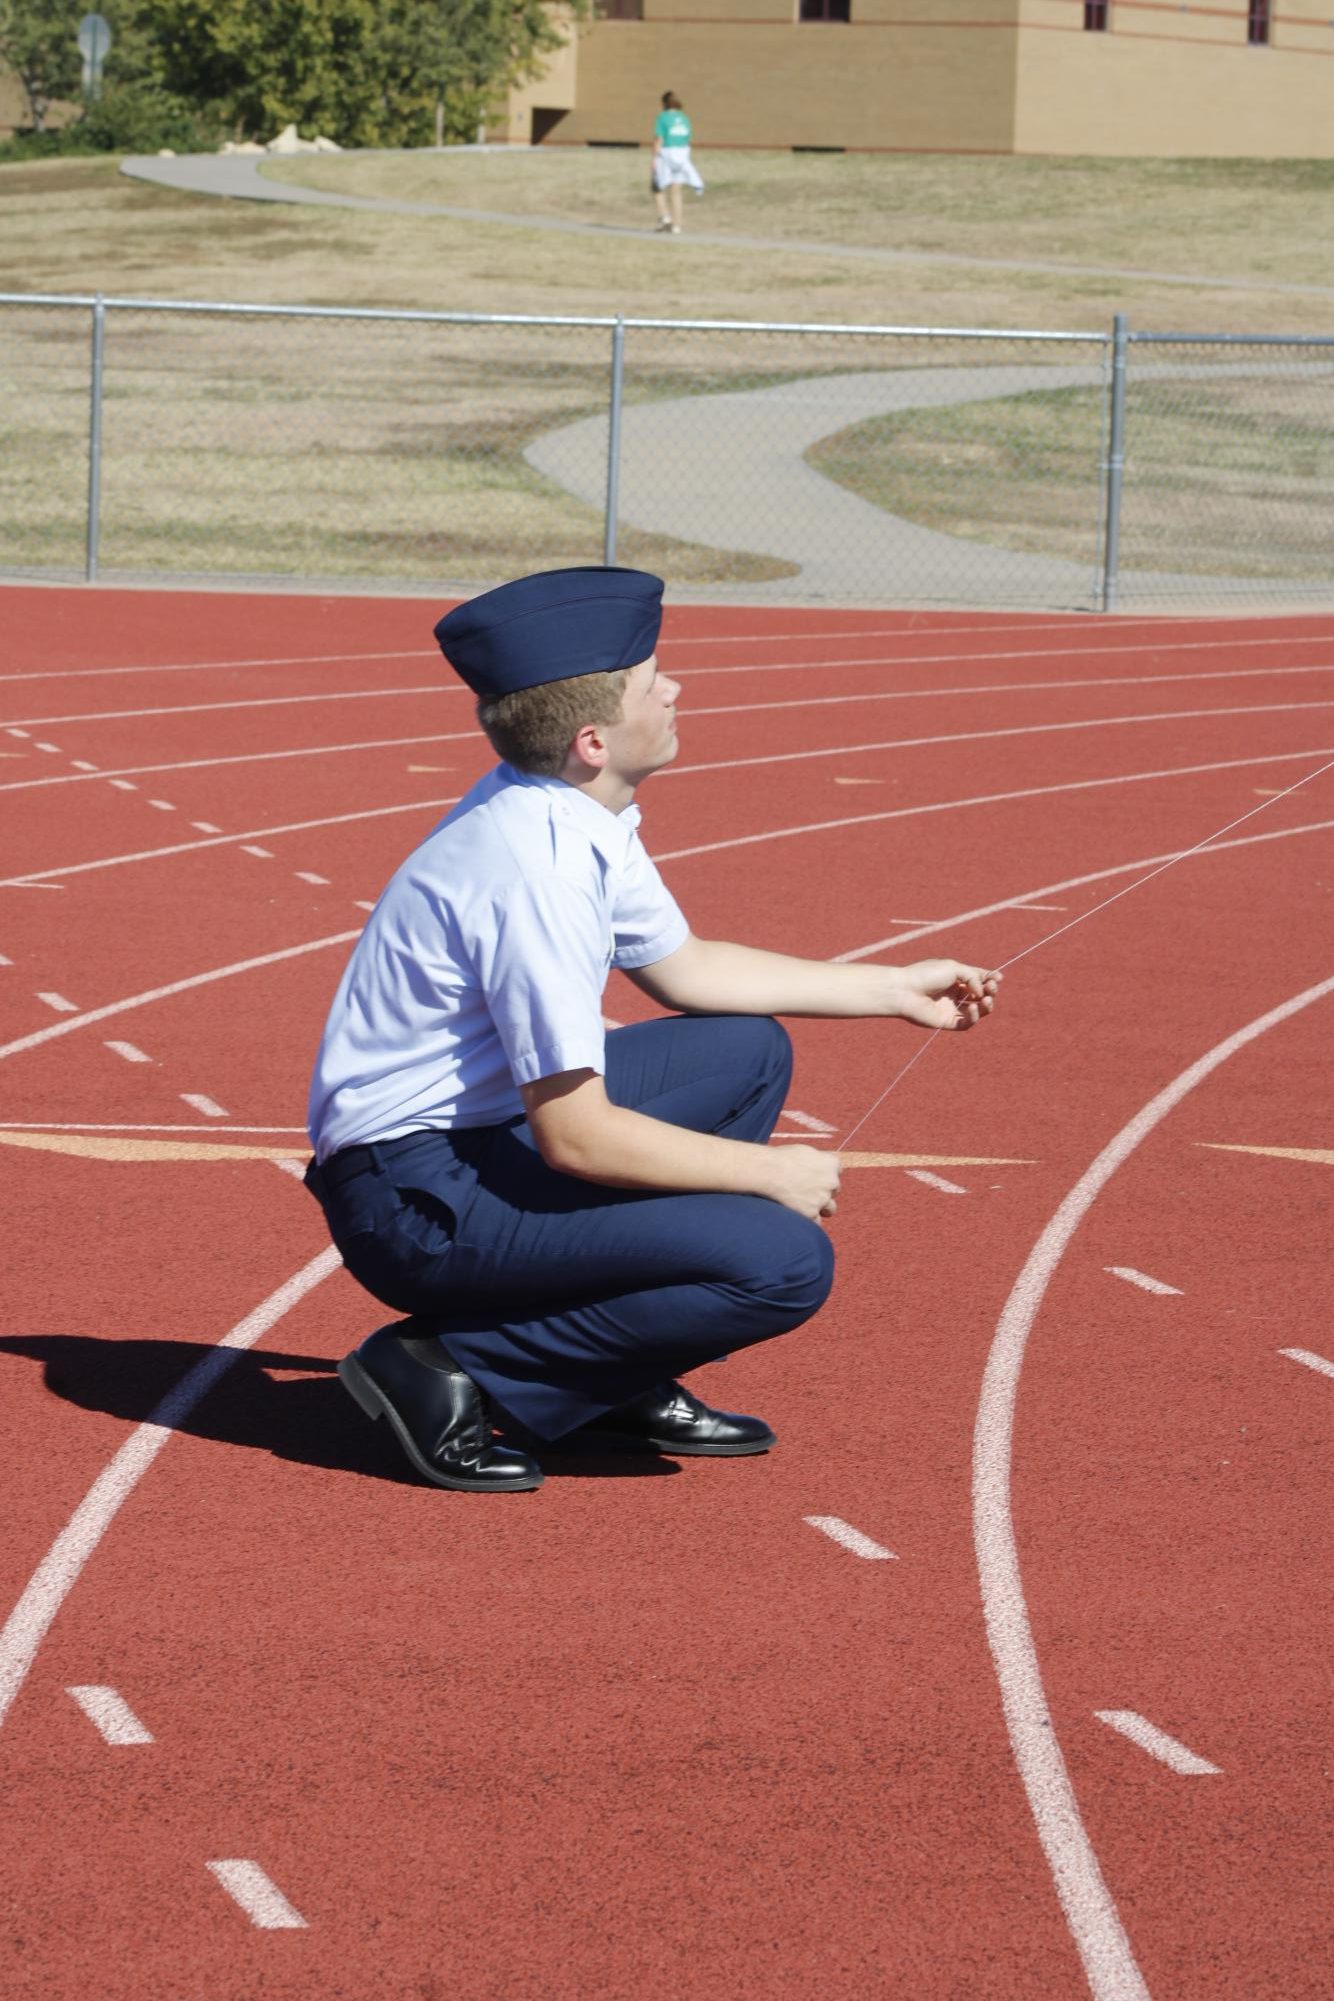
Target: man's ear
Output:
[(588, 747)]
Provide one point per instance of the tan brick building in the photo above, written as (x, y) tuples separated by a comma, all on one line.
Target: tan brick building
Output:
[(1110, 77)]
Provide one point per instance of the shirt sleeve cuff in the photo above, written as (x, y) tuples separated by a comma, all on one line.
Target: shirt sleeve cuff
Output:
[(550, 1059), (647, 951)]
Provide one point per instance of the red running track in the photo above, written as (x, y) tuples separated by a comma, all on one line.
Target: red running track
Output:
[(650, 1731)]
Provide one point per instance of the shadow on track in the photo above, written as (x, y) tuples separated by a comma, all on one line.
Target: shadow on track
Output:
[(292, 1406)]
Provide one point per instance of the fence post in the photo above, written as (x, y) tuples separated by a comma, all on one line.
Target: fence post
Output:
[(1116, 465), (95, 439), (614, 441)]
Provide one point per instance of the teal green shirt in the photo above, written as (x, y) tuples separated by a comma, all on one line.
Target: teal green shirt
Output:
[(672, 128)]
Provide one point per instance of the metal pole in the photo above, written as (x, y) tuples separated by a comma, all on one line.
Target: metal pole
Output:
[(614, 441), (95, 438), (1116, 464)]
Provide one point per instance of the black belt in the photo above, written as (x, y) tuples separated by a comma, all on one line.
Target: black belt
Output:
[(372, 1158)]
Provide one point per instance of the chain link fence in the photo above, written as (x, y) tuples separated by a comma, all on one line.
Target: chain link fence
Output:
[(145, 439)]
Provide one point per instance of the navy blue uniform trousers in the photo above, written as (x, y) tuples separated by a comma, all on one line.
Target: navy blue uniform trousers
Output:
[(563, 1298)]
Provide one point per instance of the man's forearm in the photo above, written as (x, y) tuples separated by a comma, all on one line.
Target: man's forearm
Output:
[(628, 1149), (723, 978)]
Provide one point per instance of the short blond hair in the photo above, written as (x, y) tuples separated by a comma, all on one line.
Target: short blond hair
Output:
[(533, 728)]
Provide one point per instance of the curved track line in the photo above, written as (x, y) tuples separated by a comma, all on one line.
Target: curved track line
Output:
[(919, 659), (219, 841), (73, 1021), (220, 666), (979, 799), (1073, 882), (59, 1570), (207, 708), (1090, 1911), (754, 708)]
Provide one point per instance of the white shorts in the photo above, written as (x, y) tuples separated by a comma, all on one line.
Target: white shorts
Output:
[(673, 167)]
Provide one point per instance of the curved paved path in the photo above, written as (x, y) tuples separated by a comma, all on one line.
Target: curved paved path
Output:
[(239, 177)]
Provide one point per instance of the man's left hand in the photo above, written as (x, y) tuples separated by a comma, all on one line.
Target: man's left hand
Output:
[(941, 993)]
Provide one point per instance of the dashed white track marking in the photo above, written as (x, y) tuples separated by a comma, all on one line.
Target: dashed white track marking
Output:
[(850, 1538), (259, 1897), (50, 747), (1095, 1924), (360, 903), (60, 1569), (123, 784), (205, 827), (111, 1714), (296, 1168), (1156, 1742), (1309, 1360), (128, 1050), (934, 1180), (1143, 1281), (12, 729), (75, 1021), (208, 1106), (811, 1125), (59, 1003), (264, 854), (82, 764), (250, 702), (4, 961), (308, 875), (257, 757), (37, 876), (162, 805)]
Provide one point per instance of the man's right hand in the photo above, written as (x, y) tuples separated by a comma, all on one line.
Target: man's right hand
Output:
[(804, 1179)]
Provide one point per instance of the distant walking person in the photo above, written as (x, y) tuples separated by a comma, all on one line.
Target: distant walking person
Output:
[(673, 168)]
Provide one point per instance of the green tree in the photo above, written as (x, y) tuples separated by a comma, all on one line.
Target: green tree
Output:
[(37, 41), (257, 65), (443, 66)]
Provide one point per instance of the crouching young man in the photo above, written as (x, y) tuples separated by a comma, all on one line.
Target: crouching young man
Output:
[(569, 1220)]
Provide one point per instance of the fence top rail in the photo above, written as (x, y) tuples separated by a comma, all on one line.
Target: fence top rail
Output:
[(111, 301), (1232, 340)]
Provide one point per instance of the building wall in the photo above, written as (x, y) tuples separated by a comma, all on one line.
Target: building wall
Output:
[(1175, 81), (750, 75), (1167, 78)]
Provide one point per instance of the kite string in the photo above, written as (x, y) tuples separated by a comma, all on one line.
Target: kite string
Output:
[(1061, 929)]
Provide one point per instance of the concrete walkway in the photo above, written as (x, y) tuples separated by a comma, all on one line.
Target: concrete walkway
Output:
[(239, 178)]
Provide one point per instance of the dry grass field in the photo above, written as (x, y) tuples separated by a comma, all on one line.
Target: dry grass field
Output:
[(273, 448)]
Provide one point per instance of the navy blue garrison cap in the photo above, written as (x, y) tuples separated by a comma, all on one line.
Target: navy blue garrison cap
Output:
[(551, 627)]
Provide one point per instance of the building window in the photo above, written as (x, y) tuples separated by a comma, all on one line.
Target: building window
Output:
[(824, 10), (1257, 22), (619, 10), (1095, 16)]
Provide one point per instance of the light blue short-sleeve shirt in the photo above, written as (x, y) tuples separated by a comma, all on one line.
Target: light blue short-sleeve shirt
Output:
[(482, 966)]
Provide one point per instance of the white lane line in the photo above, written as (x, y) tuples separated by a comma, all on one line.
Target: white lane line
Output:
[(162, 805), (205, 827), (805, 1119), (296, 1168), (208, 1106), (951, 806), (1040, 906), (226, 840), (259, 1897), (59, 1570), (1156, 1742), (1310, 1361), (264, 854), (919, 659), (1143, 1281), (294, 660), (125, 1049), (82, 764), (473, 735), (934, 1180), (1076, 882), (111, 1714), (257, 702), (1091, 1913), (307, 875), (850, 1538), (87, 1126), (41, 1035), (59, 1003), (123, 784), (808, 755)]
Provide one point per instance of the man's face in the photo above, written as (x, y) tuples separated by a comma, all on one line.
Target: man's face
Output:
[(644, 740)]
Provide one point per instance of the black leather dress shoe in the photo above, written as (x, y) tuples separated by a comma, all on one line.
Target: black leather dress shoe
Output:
[(436, 1412), (669, 1419)]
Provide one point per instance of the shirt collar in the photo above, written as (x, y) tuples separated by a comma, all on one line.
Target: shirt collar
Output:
[(610, 833)]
